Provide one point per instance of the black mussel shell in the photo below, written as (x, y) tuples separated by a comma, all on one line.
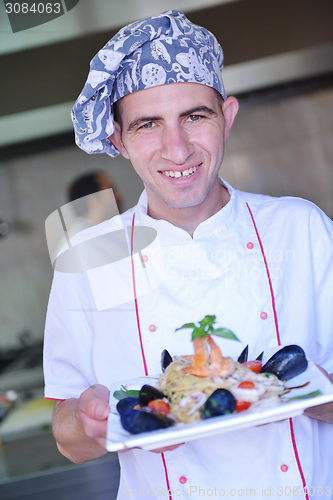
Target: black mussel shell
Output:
[(243, 355), (221, 402), (127, 404), (149, 393), (287, 363), (259, 358), (166, 359), (136, 421)]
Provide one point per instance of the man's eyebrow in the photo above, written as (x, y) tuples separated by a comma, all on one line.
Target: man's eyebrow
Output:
[(198, 109), (188, 112), (143, 119)]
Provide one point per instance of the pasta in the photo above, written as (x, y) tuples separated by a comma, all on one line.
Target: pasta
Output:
[(187, 393)]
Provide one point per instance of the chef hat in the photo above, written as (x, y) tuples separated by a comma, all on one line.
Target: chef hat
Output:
[(162, 49)]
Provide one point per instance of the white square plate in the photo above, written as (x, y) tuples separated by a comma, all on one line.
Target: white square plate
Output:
[(119, 439)]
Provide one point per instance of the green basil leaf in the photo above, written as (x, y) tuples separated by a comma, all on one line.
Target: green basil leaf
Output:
[(125, 393), (198, 332), (306, 396), (225, 333), (187, 325), (207, 321)]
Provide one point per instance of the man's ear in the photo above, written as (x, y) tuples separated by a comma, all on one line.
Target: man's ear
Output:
[(230, 107), (116, 140)]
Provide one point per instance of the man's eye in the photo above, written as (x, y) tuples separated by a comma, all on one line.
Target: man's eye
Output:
[(148, 125), (194, 118)]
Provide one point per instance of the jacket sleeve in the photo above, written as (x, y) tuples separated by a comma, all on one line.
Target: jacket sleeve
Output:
[(68, 340)]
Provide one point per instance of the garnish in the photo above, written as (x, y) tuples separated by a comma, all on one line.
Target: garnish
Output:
[(125, 393), (159, 406), (255, 365), (241, 405), (305, 396), (246, 385), (205, 328)]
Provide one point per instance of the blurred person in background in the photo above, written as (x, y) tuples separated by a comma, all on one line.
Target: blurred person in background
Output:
[(93, 205)]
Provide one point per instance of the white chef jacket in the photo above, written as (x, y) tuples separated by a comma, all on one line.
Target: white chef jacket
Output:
[(263, 266)]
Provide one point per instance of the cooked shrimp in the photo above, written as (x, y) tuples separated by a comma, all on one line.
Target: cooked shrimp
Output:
[(209, 364), (201, 354)]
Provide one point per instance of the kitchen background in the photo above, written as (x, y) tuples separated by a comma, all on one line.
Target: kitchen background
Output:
[(278, 62)]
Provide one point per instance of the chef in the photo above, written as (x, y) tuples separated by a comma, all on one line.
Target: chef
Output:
[(196, 246)]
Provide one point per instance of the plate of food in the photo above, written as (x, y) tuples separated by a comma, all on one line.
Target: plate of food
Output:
[(205, 393)]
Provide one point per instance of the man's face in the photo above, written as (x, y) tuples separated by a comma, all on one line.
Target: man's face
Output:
[(174, 137)]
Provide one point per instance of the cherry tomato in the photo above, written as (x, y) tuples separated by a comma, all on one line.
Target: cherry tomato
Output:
[(246, 385), (241, 405), (159, 406), (254, 365)]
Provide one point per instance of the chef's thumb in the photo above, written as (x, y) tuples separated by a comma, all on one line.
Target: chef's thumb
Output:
[(102, 411)]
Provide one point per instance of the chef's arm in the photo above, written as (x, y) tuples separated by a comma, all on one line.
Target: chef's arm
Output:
[(80, 425), (322, 412)]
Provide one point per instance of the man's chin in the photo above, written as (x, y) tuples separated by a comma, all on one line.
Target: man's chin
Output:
[(185, 203), (180, 201)]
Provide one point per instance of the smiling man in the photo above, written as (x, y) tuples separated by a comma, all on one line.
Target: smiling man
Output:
[(262, 265), (178, 151)]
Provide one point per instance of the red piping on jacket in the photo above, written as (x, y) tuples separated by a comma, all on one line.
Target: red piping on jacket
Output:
[(268, 276), (166, 476), (136, 300), (141, 343), (297, 457), (279, 343)]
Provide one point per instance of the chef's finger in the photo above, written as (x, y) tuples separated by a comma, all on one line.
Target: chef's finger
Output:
[(94, 402), (94, 429)]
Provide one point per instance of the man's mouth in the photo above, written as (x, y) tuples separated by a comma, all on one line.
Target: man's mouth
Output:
[(176, 173)]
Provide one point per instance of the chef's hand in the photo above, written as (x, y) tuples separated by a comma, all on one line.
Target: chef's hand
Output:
[(79, 425), (93, 410), (322, 412), (324, 372)]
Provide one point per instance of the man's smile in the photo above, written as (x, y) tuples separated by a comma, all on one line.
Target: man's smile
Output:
[(180, 173), (179, 155)]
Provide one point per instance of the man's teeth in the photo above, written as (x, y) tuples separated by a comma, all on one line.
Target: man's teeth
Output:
[(176, 174)]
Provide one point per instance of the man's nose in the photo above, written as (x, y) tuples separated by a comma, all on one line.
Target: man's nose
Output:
[(176, 145)]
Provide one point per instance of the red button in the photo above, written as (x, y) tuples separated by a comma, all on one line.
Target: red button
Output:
[(182, 479), (152, 328), (250, 245), (263, 315), (144, 258), (284, 467)]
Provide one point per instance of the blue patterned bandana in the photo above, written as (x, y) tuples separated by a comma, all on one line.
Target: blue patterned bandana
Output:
[(167, 48)]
